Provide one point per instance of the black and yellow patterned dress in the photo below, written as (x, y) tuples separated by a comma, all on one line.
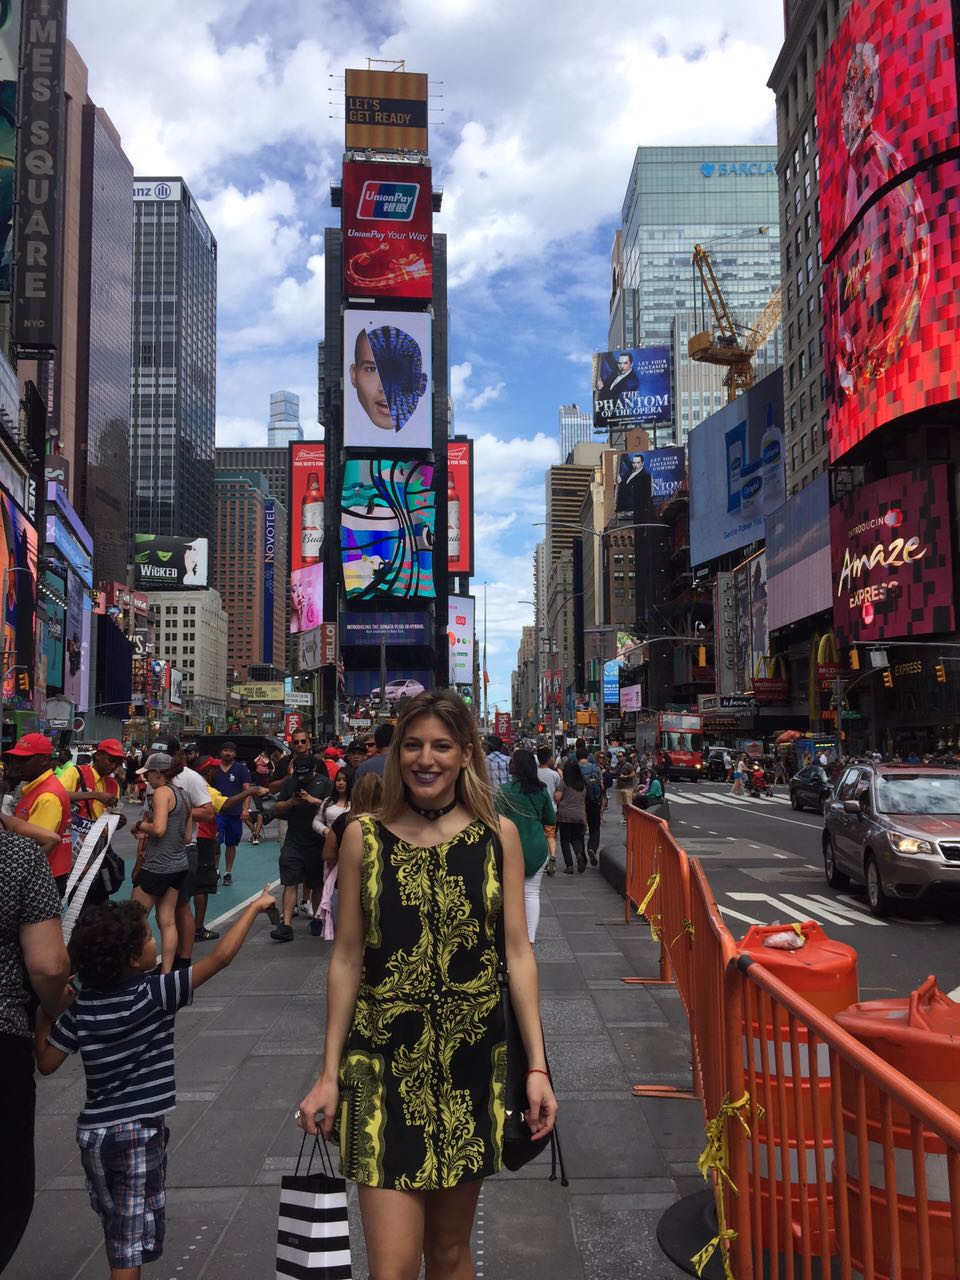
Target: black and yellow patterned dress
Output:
[(423, 1071)]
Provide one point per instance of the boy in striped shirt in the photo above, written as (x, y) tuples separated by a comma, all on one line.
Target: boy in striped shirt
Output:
[(121, 1024)]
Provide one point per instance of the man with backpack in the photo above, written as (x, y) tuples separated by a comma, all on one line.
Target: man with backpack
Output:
[(593, 779)]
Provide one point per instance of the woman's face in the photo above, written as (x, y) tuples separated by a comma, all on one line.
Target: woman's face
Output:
[(340, 783), (431, 759)]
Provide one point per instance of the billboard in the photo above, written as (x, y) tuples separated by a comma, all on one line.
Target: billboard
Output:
[(798, 555), (892, 560), (387, 230), (18, 550), (460, 632), (9, 70), (891, 320), (385, 628), (736, 471), (269, 565), (76, 644), (460, 506), (306, 461), (168, 563), (665, 467), (386, 380), (886, 101), (387, 515), (631, 388), (725, 634), (36, 308), (385, 111), (270, 691), (176, 687)]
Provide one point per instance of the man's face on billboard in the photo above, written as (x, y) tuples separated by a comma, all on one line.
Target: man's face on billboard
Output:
[(624, 363), (366, 381)]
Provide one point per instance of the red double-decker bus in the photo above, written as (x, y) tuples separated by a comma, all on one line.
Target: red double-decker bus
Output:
[(680, 737)]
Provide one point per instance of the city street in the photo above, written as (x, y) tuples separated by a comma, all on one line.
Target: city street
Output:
[(764, 864)]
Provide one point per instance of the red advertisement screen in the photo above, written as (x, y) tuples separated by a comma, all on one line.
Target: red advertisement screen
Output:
[(306, 535), (890, 310), (886, 100), (890, 545), (387, 230), (460, 506)]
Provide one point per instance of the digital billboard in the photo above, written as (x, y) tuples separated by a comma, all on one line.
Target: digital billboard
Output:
[(665, 467), (386, 380), (631, 388), (886, 101), (269, 565), (798, 555), (460, 506), (387, 230), (736, 471), (167, 563), (76, 644), (891, 319), (306, 460), (385, 111), (892, 560), (385, 628), (18, 554), (387, 517), (460, 632)]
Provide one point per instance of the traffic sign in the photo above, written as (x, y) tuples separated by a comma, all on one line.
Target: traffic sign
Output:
[(296, 699)]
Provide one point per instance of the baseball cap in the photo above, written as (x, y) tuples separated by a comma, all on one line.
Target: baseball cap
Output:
[(493, 742), (303, 764), (228, 746), (355, 745), (32, 744), (111, 747), (205, 762), (166, 744), (333, 752), (157, 760)]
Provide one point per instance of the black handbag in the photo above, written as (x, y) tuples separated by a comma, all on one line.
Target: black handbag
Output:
[(519, 1148)]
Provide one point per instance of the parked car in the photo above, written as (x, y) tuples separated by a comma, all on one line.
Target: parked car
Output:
[(395, 689), (715, 767), (811, 789), (895, 829), (249, 745)]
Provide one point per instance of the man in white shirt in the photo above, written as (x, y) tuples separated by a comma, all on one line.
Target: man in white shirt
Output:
[(551, 780)]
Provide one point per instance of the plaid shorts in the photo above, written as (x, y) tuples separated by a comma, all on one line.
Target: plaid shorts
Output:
[(125, 1167)]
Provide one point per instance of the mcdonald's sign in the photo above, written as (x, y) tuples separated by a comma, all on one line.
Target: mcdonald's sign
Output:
[(770, 683)]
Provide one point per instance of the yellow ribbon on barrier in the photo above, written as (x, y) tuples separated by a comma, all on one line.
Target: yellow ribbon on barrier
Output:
[(652, 885), (687, 928), (716, 1157)]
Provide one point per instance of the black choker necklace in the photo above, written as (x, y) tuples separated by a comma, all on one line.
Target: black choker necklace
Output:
[(433, 814)]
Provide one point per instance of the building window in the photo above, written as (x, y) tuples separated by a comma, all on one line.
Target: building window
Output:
[(807, 225), (806, 143), (806, 182), (796, 201), (799, 282)]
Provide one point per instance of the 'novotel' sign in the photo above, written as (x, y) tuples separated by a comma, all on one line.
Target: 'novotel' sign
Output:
[(738, 168)]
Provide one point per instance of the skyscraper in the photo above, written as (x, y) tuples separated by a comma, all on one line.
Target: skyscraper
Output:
[(576, 427), (173, 377), (678, 197), (284, 425)]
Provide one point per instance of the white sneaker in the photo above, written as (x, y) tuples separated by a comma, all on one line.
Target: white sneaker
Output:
[(305, 908)]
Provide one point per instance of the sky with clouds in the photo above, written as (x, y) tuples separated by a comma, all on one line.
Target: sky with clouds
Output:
[(537, 109)]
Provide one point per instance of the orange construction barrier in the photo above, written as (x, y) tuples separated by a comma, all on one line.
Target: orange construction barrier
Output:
[(919, 1036), (824, 972)]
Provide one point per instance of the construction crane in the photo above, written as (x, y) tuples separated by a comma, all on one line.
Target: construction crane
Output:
[(730, 343)]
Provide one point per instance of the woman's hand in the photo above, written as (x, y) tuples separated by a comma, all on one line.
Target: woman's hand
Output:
[(541, 1105), (323, 1100)]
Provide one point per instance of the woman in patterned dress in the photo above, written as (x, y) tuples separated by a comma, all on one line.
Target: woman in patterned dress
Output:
[(414, 1060)]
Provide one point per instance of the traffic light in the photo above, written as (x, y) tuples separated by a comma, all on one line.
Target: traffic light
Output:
[(941, 673), (539, 728), (854, 659), (23, 682), (887, 678)]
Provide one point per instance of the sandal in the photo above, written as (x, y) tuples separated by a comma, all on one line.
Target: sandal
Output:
[(551, 866)]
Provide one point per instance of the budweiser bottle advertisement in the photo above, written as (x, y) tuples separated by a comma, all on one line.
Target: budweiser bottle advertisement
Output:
[(453, 521), (311, 521)]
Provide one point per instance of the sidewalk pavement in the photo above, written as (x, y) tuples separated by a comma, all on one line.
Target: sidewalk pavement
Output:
[(247, 1051)]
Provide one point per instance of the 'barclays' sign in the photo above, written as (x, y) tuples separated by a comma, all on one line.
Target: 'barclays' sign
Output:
[(756, 169)]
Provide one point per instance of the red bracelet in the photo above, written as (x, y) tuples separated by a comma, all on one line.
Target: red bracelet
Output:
[(538, 1071)]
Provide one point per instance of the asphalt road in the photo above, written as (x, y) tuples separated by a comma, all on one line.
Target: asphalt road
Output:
[(764, 864)]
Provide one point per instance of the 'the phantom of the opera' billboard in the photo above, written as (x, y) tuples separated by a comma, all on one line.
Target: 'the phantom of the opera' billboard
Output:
[(631, 388)]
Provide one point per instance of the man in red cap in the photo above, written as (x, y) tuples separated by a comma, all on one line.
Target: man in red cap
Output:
[(43, 800), (93, 787)]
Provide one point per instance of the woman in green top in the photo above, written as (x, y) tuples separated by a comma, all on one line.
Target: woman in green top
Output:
[(528, 804)]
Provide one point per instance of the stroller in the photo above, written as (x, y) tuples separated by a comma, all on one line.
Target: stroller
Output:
[(757, 784)]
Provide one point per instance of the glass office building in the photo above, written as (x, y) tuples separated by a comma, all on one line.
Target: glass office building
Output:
[(174, 371), (678, 197)]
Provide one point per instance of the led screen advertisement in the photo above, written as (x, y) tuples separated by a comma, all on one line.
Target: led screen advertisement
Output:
[(307, 488), (798, 555), (385, 110), (387, 230), (631, 388), (169, 563), (460, 632), (9, 70), (736, 471), (387, 516), (665, 467), (76, 644), (886, 101), (18, 555), (386, 380), (891, 320), (891, 559), (385, 627), (460, 506)]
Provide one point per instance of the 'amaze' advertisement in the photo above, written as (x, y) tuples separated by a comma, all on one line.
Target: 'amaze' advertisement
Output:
[(886, 100), (892, 560), (387, 230)]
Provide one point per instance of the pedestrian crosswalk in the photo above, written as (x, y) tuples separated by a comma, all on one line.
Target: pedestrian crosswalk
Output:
[(700, 795)]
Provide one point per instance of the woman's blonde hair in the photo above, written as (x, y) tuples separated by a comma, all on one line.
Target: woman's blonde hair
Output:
[(366, 796), (473, 786)]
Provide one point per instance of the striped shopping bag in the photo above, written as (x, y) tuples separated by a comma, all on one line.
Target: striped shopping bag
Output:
[(313, 1235)]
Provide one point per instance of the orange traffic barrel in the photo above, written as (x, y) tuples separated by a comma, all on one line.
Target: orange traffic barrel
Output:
[(824, 972), (920, 1037)]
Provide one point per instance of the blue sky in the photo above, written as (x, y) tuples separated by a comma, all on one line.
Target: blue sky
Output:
[(537, 108)]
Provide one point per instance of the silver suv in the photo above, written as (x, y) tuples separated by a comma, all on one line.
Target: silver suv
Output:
[(895, 829)]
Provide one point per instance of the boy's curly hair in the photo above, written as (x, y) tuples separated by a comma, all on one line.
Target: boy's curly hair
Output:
[(105, 940)]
